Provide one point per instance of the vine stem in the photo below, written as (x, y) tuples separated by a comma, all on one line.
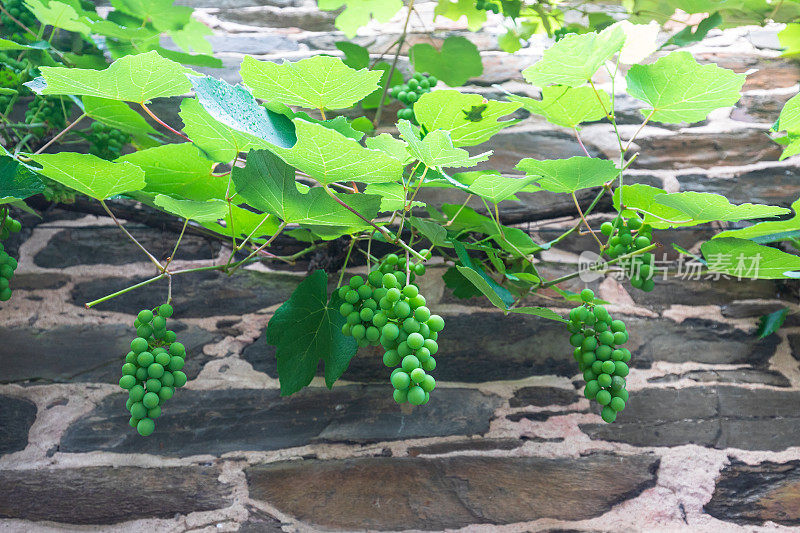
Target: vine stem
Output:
[(346, 260), (255, 252), (177, 243), (591, 207), (583, 218), (132, 238), (91, 304), (611, 262), (580, 142), (61, 134), (400, 42), (164, 124)]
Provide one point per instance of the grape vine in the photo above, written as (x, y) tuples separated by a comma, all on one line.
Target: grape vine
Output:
[(8, 264)]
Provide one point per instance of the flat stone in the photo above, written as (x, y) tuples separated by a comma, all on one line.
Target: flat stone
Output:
[(775, 186), (750, 309), (743, 375), (221, 421), (513, 144), (304, 18), (16, 418), (260, 522), (251, 43), (201, 294), (236, 4), (94, 245), (543, 396), (692, 291), (39, 282), (449, 492), (770, 73), (539, 416), (755, 494), (85, 353), (716, 417), (794, 345), (108, 495), (761, 108), (471, 445)]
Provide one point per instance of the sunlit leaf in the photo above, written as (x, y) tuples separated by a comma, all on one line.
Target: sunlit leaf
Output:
[(357, 13), (569, 175), (205, 211), (567, 106), (457, 61), (745, 259), (90, 175), (436, 148)]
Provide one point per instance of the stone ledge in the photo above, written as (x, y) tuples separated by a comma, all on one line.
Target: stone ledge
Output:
[(17, 415)]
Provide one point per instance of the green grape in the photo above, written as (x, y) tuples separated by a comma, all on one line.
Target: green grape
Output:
[(155, 412), (415, 341), (356, 281), (400, 380), (410, 362), (155, 370), (127, 382), (417, 374), (165, 393), (431, 345), (139, 345), (410, 325), (144, 331), (152, 385), (366, 315), (608, 414), (145, 359), (352, 297), (364, 292), (617, 383), (375, 279), (391, 358), (141, 374), (621, 369), (138, 410), (603, 352), (622, 393), (604, 380), (358, 331), (373, 334), (428, 383), (180, 378), (128, 369), (422, 313), (176, 348), (402, 309), (603, 397), (167, 380), (410, 291), (607, 367), (162, 358), (429, 365), (145, 316), (436, 323), (422, 354), (416, 396), (400, 395), (136, 394), (145, 427), (591, 389), (587, 295)]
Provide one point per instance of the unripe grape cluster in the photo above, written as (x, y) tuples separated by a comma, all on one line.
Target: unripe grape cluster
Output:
[(597, 341), (17, 9), (49, 110), (409, 92), (106, 142), (152, 369), (483, 5), (8, 80), (387, 309), (627, 236), (7, 263)]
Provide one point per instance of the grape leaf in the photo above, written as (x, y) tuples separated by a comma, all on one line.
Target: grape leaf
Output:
[(496, 188), (789, 121), (679, 89), (240, 222), (307, 328), (357, 13), (268, 184), (221, 142), (747, 260), (436, 149), (569, 175), (57, 14), (355, 56), (16, 181), (179, 170), (161, 13), (640, 41), (328, 156), (770, 323), (319, 82), (5, 44), (90, 175), (448, 109), (205, 211), (192, 37), (686, 36), (758, 231), (567, 106), (372, 100), (541, 312), (641, 196), (709, 207), (573, 60), (461, 286), (431, 230), (455, 9), (390, 146), (457, 61), (498, 295), (235, 107), (117, 114), (134, 78), (392, 195)]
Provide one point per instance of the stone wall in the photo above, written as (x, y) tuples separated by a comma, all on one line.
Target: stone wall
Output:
[(709, 442)]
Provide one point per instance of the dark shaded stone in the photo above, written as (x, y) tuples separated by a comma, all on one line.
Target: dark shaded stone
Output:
[(754, 494), (770, 73), (217, 422), (38, 282), (16, 418), (480, 445), (86, 353), (774, 186), (675, 290), (513, 144), (202, 294), (794, 346), (260, 522), (449, 492), (743, 375), (543, 396), (538, 416), (750, 309), (93, 245), (764, 108), (717, 417), (107, 495)]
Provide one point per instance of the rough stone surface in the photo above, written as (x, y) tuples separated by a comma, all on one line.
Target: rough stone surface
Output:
[(16, 418), (108, 495), (755, 494), (543, 396), (217, 422), (765, 377), (477, 445), (449, 492)]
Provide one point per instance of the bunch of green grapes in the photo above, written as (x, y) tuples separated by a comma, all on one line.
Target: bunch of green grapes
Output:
[(387, 309), (50, 110), (17, 9), (152, 369), (483, 5), (627, 236), (57, 193), (597, 339), (409, 92), (7, 263), (106, 142), (9, 79)]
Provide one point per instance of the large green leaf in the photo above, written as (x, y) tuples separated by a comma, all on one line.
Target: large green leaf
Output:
[(569, 175), (453, 111), (205, 211), (179, 170), (222, 143), (758, 232), (573, 60), (457, 61), (5, 44), (57, 14), (16, 181), (745, 259), (679, 89), (118, 115), (357, 13), (319, 82), (393, 196), (240, 222), (497, 294), (307, 328), (235, 107), (710, 207), (436, 149), (641, 196), (328, 156), (268, 184), (455, 9), (789, 121), (770, 323), (161, 13), (135, 78), (496, 188), (372, 100), (567, 106), (192, 37), (90, 175)]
